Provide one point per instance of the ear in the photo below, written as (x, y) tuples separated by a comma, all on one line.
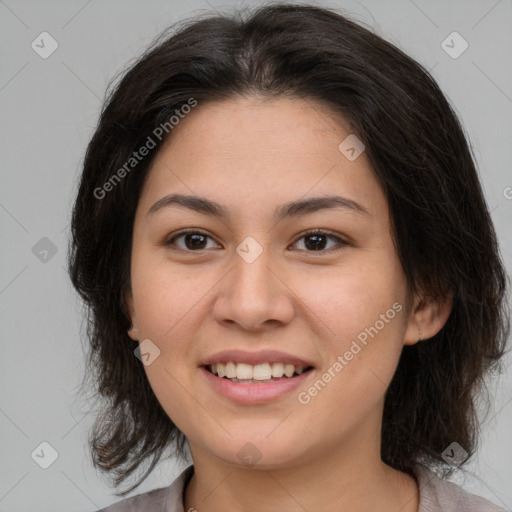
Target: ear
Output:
[(427, 317), (132, 332)]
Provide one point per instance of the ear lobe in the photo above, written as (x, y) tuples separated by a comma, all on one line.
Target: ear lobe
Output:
[(427, 318), (132, 332)]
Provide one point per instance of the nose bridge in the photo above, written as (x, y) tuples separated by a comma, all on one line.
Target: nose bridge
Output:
[(253, 294), (252, 270)]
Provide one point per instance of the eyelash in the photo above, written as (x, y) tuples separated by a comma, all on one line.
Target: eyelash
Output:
[(304, 235)]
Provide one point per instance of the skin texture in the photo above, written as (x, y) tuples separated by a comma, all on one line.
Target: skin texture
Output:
[(252, 155)]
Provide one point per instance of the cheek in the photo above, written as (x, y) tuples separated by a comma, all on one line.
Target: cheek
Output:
[(167, 296), (351, 297), (165, 304), (359, 317), (168, 309)]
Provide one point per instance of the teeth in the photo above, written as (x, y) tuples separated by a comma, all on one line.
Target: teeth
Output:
[(277, 370), (289, 369), (242, 371), (261, 372), (230, 370), (220, 370)]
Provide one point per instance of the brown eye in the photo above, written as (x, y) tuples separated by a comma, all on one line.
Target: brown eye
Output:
[(193, 240), (316, 241)]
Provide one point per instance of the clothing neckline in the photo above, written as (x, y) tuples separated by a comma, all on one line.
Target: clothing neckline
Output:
[(434, 493), (420, 474)]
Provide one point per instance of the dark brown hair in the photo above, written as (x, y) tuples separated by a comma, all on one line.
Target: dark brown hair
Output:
[(442, 228)]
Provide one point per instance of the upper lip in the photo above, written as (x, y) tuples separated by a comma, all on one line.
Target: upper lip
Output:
[(253, 358)]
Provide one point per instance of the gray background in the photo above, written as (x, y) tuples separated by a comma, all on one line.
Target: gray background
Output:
[(49, 110)]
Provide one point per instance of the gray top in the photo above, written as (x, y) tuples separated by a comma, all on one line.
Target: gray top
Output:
[(435, 495)]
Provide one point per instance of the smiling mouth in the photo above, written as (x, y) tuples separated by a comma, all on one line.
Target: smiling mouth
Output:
[(256, 374)]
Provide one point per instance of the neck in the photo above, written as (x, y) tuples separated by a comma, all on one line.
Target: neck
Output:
[(349, 477)]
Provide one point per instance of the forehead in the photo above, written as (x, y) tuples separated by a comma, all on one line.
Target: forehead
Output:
[(281, 125), (257, 152)]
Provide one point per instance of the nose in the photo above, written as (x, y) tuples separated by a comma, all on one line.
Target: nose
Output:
[(254, 295)]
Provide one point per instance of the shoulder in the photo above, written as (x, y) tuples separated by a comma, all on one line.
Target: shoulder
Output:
[(165, 499), (437, 495), (151, 501)]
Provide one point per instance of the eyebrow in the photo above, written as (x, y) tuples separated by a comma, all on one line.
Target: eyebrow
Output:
[(292, 209)]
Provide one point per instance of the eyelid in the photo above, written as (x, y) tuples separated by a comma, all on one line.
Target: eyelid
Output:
[(319, 231), (199, 231), (342, 242)]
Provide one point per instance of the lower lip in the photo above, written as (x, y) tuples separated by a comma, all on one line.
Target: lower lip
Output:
[(254, 393)]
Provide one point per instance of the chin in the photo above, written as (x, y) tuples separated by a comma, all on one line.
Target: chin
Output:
[(259, 452)]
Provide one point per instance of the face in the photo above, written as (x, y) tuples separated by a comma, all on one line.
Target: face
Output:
[(257, 281)]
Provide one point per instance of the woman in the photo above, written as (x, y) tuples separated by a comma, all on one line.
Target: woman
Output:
[(291, 272)]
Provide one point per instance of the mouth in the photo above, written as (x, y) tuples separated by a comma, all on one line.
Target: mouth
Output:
[(252, 378), (247, 385), (263, 373)]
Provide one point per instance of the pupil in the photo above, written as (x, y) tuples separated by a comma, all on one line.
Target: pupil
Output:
[(316, 245), (197, 238), (314, 242)]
